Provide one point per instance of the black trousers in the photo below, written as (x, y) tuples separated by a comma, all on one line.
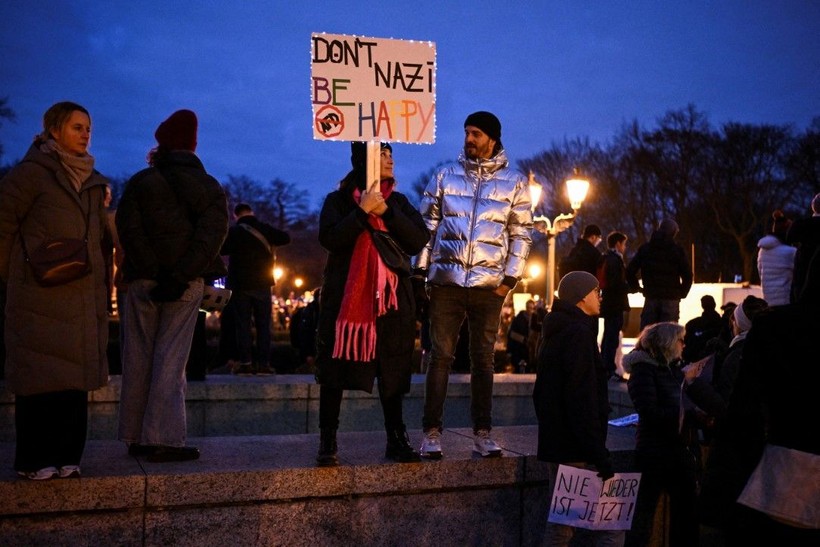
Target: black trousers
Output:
[(51, 429), (330, 405)]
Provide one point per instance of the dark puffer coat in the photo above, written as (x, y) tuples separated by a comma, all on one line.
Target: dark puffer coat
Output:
[(655, 390), (173, 218), (56, 337), (340, 224), (570, 394)]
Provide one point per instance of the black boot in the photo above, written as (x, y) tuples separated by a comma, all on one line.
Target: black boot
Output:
[(327, 448), (398, 446)]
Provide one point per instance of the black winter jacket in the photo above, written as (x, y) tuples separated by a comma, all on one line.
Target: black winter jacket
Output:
[(615, 290), (570, 394), (250, 265), (805, 235), (173, 218), (655, 390), (583, 257), (664, 269), (340, 224)]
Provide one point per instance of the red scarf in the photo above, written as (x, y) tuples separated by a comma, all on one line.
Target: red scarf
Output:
[(370, 290)]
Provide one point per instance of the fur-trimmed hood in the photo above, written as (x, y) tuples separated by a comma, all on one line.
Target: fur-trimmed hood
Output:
[(639, 356)]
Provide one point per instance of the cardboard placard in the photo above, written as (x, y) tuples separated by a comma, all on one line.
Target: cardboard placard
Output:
[(378, 89), (582, 500)]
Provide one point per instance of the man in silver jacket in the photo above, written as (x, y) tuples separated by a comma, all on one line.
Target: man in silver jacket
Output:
[(478, 212)]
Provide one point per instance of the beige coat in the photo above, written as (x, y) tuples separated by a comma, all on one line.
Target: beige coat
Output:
[(56, 337)]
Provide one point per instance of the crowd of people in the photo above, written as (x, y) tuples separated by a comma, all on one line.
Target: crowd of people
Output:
[(713, 397)]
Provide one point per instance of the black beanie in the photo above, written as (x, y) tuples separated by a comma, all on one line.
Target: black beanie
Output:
[(358, 153), (487, 122)]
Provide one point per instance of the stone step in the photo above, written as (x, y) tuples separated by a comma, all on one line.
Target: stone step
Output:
[(266, 490)]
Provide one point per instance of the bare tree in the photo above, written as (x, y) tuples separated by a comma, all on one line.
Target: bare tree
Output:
[(803, 167), (551, 169), (721, 186), (747, 182), (279, 203), (288, 204), (6, 113)]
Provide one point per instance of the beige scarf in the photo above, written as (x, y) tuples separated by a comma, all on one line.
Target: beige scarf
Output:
[(77, 168)]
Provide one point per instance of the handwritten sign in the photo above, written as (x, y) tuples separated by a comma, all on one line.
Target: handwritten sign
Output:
[(366, 89), (580, 499)]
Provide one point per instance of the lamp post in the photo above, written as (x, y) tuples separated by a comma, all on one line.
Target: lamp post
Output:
[(577, 187)]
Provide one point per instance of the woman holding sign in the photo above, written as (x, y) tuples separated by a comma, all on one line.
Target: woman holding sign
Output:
[(367, 321)]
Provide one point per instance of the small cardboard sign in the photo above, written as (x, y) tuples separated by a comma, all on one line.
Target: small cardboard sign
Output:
[(582, 500)]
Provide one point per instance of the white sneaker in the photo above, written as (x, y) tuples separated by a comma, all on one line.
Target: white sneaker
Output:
[(431, 445), (41, 474), (485, 446), (70, 472)]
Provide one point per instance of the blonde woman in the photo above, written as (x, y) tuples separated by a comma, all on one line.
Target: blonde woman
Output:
[(56, 336), (661, 453)]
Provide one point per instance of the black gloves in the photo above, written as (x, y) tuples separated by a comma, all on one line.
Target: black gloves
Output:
[(168, 289), (605, 470), (420, 294)]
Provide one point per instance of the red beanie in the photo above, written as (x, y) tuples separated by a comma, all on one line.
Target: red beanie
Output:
[(178, 132)]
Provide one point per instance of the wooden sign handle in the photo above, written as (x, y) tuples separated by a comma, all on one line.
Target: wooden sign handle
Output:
[(373, 165)]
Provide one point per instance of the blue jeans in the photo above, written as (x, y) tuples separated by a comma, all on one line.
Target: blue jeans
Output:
[(156, 342), (613, 325), (255, 304), (657, 310), (448, 308), (560, 535)]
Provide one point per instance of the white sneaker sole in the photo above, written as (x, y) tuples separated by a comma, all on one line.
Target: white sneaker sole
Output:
[(487, 453)]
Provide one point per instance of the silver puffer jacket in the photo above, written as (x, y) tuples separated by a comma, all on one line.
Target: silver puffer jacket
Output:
[(478, 212)]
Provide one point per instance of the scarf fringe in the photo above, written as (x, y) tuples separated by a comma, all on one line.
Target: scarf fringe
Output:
[(355, 341)]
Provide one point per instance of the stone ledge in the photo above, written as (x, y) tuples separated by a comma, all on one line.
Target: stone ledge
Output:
[(225, 405), (266, 490)]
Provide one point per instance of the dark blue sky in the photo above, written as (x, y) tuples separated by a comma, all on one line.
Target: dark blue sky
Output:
[(549, 70)]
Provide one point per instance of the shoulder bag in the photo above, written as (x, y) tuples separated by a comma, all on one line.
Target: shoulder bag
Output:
[(784, 486), (391, 253), (59, 260)]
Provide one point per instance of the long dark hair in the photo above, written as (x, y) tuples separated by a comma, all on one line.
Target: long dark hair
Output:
[(157, 155), (355, 178)]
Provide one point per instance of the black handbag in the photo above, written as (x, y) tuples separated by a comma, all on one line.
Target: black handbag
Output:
[(391, 253)]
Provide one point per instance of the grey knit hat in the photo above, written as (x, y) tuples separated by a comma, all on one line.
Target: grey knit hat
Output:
[(574, 286)]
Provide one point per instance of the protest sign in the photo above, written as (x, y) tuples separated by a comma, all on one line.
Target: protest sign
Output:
[(582, 500), (373, 89)]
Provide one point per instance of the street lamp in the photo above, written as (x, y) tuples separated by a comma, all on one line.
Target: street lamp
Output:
[(577, 187), (533, 272)]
